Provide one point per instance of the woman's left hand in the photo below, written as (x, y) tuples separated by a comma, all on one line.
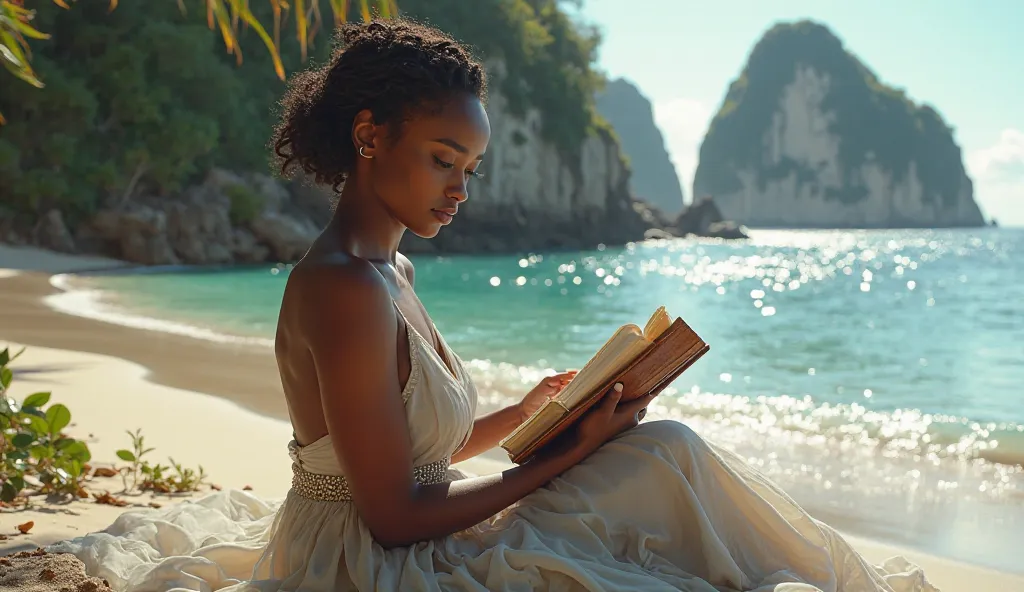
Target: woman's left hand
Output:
[(546, 389)]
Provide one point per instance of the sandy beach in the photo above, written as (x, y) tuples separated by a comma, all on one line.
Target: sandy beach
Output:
[(186, 394)]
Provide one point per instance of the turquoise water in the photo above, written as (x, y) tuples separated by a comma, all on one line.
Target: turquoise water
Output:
[(931, 321), (857, 365)]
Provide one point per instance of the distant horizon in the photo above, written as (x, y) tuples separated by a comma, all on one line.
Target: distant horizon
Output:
[(956, 58)]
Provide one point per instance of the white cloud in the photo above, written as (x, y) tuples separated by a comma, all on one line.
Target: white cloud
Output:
[(683, 122), (998, 174), (1002, 160)]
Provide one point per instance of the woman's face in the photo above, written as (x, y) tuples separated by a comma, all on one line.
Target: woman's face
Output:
[(422, 175)]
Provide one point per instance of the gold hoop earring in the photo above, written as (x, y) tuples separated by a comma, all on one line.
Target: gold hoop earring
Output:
[(361, 152)]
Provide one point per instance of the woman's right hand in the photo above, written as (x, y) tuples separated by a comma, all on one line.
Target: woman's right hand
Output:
[(608, 418)]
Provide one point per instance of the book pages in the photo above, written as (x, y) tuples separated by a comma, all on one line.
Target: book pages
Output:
[(624, 346)]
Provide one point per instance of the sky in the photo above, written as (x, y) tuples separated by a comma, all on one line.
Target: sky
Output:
[(963, 57)]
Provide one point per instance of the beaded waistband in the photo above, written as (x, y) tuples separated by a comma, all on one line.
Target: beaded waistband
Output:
[(333, 488)]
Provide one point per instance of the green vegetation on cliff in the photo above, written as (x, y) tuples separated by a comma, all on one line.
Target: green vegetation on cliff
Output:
[(140, 100), (143, 100), (872, 120)]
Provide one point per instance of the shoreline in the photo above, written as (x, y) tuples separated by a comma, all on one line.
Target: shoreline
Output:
[(241, 382), (253, 381), (74, 297)]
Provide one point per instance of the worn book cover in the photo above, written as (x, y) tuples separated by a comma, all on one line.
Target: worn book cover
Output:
[(644, 360)]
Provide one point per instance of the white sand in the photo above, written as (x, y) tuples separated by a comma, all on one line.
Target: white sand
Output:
[(13, 259)]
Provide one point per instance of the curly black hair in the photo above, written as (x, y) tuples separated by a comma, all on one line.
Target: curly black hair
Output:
[(392, 67)]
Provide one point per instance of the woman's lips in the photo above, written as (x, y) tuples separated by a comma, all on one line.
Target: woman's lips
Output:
[(443, 216)]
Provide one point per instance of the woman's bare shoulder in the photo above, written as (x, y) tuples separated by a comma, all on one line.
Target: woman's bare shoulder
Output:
[(337, 279), (341, 290)]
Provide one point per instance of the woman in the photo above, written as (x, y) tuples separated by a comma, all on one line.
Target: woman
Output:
[(381, 406)]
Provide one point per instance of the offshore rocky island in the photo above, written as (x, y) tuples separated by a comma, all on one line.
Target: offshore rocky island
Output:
[(809, 137)]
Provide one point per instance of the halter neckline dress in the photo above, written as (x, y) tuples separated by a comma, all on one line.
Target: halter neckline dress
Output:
[(658, 508)]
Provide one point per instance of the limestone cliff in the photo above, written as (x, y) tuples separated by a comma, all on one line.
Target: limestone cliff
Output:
[(535, 196), (808, 136), (654, 177)]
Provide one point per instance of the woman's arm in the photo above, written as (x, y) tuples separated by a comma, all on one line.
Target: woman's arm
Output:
[(488, 430), (351, 328)]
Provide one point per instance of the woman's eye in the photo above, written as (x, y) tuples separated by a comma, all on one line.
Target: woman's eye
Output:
[(449, 165)]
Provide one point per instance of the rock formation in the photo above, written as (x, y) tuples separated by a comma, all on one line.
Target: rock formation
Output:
[(808, 136), (654, 178), (702, 217), (532, 197), (227, 218)]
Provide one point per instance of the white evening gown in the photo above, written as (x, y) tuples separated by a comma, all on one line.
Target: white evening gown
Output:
[(656, 509)]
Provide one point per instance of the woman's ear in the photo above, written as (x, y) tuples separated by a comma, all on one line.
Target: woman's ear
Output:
[(364, 133)]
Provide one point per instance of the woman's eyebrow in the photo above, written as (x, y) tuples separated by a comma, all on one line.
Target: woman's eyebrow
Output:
[(455, 146)]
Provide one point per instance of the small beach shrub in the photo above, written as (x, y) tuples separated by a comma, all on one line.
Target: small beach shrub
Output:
[(156, 477), (245, 204), (35, 455)]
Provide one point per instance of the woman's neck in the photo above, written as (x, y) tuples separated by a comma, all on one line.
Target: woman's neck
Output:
[(364, 226)]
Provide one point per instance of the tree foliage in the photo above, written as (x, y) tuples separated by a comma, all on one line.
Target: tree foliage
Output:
[(136, 100), (549, 58), (142, 100), (225, 15)]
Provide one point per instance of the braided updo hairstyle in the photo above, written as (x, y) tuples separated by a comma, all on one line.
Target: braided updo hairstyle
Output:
[(393, 67)]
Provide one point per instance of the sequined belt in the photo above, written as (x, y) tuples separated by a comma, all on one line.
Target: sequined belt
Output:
[(334, 488)]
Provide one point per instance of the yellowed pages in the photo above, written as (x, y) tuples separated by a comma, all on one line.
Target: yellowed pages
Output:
[(628, 342)]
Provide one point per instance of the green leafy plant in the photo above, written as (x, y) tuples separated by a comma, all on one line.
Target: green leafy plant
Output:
[(14, 50), (156, 477), (37, 457), (224, 15), (35, 454)]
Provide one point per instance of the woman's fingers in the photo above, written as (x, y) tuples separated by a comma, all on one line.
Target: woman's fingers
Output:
[(633, 411), (560, 379), (638, 403), (611, 400)]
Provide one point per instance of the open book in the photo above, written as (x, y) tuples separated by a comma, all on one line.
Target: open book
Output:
[(644, 360)]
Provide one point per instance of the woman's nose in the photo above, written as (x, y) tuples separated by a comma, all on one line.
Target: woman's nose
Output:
[(458, 191)]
